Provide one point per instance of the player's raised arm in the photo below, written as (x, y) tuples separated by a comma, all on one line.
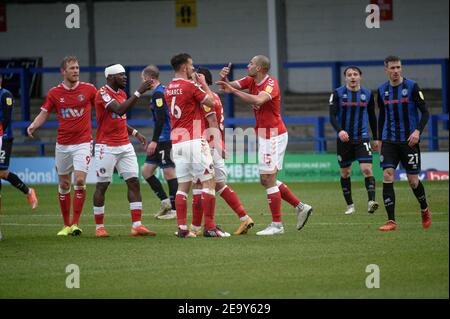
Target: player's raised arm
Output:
[(257, 100), (200, 79), (224, 76), (123, 108)]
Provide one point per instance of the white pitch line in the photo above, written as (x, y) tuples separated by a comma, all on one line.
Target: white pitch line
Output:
[(220, 214), (220, 224)]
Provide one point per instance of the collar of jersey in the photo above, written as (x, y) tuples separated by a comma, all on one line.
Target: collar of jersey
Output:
[(68, 88), (263, 80), (111, 89), (181, 79)]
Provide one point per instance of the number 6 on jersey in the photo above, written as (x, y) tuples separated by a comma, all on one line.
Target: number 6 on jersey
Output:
[(175, 109)]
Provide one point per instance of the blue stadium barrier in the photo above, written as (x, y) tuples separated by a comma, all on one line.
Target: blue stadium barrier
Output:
[(318, 122)]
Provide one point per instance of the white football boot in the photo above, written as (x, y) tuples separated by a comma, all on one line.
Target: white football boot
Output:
[(372, 206), (350, 209), (272, 229), (303, 213)]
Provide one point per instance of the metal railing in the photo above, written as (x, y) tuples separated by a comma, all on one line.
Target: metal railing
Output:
[(320, 140)]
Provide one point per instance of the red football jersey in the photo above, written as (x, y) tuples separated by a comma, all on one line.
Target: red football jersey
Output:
[(73, 106), (218, 110), (187, 118), (112, 128), (268, 116)]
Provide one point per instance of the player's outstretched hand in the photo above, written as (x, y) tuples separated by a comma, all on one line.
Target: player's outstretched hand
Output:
[(145, 86), (225, 87)]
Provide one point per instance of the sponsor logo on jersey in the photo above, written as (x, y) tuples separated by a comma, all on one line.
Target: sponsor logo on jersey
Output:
[(71, 113)]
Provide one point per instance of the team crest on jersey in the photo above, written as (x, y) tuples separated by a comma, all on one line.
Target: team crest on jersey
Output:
[(106, 97), (9, 101), (269, 89), (61, 99), (363, 97), (344, 96), (386, 93), (206, 108), (381, 158), (331, 98), (80, 97), (339, 158), (159, 102), (405, 92)]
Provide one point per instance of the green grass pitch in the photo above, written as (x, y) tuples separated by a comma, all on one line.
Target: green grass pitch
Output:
[(327, 259)]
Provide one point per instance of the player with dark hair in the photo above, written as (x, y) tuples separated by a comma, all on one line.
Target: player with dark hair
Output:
[(185, 95), (72, 100), (215, 121), (6, 142), (160, 148), (264, 97), (113, 148), (399, 128), (352, 108)]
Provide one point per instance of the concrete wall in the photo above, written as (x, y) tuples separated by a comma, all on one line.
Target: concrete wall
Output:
[(335, 30), (138, 33)]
